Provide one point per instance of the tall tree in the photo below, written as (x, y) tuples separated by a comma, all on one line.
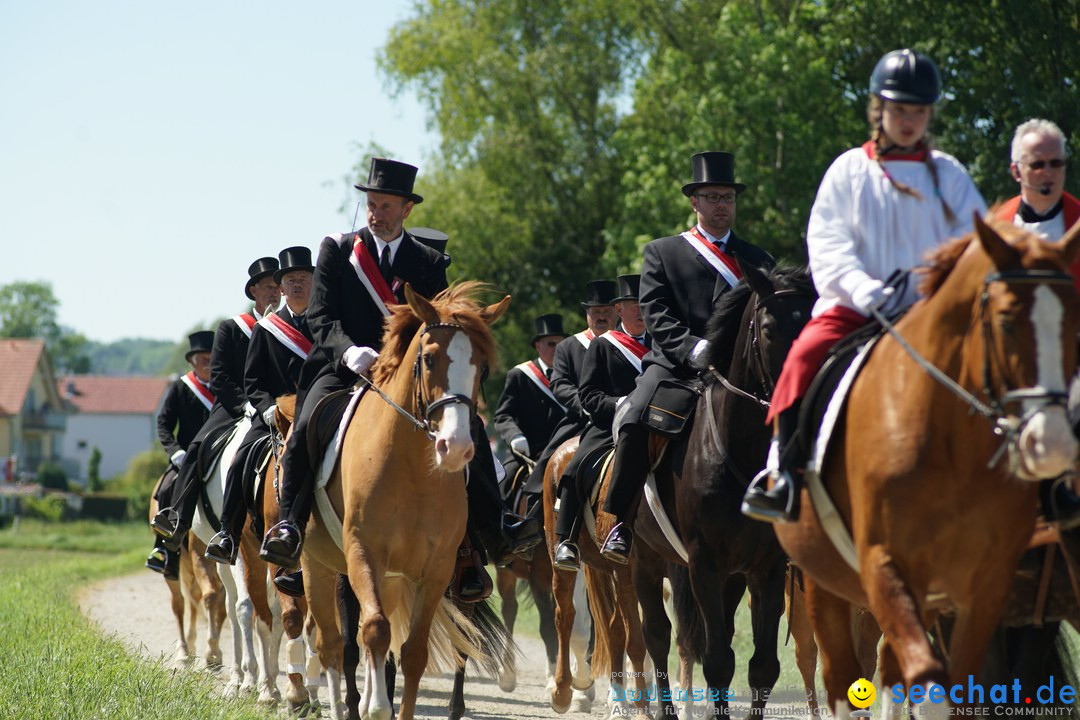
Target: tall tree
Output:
[(29, 309)]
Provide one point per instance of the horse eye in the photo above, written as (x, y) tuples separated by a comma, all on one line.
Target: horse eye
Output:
[(429, 362)]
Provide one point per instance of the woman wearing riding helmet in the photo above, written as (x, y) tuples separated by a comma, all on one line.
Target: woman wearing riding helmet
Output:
[(880, 208)]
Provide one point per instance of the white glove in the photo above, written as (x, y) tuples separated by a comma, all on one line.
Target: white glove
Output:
[(520, 445), (870, 295), (619, 402), (178, 457), (697, 355), (268, 415), (359, 359), (249, 410)]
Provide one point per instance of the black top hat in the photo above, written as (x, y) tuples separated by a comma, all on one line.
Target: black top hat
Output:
[(293, 258), (434, 239), (628, 287), (201, 341), (713, 168), (599, 292), (391, 177), (547, 325), (257, 271)]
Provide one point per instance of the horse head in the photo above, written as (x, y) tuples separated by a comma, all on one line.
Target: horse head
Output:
[(1028, 318), (453, 348)]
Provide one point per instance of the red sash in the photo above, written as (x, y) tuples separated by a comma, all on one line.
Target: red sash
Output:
[(286, 334), (245, 322), (371, 277), (628, 346), (585, 337), (728, 261), (534, 373), (200, 391)]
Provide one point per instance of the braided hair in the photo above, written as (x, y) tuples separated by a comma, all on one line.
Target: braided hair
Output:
[(874, 113)]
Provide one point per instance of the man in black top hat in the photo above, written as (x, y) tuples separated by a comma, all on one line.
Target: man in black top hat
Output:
[(227, 360), (599, 306), (681, 279), (356, 275), (528, 412), (183, 411), (609, 373), (280, 342)]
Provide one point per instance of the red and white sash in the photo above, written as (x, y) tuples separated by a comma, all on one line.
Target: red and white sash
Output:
[(585, 337), (721, 261), (195, 385), (630, 348), (539, 379), (245, 322), (286, 334), (368, 271)]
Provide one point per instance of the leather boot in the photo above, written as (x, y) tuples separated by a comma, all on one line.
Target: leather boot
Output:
[(781, 502)]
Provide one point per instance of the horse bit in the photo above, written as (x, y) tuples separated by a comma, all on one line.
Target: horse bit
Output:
[(1007, 426), (425, 409)]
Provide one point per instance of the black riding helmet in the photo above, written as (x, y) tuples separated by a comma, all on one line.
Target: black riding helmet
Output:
[(906, 76)]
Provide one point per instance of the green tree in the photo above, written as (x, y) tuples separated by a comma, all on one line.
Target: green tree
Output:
[(52, 476), (93, 471), (28, 310)]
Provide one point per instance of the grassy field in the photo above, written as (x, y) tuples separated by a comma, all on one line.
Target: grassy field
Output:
[(55, 663)]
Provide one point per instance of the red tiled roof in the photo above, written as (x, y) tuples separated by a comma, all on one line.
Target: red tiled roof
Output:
[(113, 394), (18, 361)]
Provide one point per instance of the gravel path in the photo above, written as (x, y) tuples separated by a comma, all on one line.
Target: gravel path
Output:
[(135, 609)]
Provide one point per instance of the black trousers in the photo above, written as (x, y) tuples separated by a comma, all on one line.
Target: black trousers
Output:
[(185, 496), (236, 485), (630, 468)]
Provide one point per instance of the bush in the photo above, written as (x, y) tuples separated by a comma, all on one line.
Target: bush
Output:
[(93, 472), (50, 508), (51, 476), (100, 506), (137, 482)]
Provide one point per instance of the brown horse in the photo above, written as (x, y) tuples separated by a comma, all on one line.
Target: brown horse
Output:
[(198, 585), (399, 491), (612, 602), (938, 515)]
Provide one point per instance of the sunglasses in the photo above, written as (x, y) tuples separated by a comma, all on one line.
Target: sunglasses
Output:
[(1056, 163)]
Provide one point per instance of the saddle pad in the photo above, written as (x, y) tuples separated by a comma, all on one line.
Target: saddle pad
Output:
[(652, 497), (327, 515), (828, 515), (589, 515)]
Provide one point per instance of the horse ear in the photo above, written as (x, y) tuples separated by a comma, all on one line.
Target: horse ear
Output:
[(493, 312), (421, 306), (1070, 244), (756, 279), (1001, 253)]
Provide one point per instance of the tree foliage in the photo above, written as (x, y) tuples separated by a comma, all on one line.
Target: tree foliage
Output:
[(29, 310)]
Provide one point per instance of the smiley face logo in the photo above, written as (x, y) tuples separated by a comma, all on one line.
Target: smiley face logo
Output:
[(862, 693)]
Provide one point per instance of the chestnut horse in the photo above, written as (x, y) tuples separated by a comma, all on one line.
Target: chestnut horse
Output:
[(399, 491), (957, 412)]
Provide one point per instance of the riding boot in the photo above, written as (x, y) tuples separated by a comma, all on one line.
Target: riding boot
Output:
[(1059, 503), (567, 556), (781, 502), (174, 520), (630, 468), (283, 541)]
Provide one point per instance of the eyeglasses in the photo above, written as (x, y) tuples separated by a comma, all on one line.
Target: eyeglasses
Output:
[(1056, 163), (715, 198)]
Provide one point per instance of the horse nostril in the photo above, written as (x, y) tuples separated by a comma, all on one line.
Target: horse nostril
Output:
[(469, 452), (441, 446)]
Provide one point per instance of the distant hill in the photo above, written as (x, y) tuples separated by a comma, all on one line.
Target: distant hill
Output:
[(134, 356)]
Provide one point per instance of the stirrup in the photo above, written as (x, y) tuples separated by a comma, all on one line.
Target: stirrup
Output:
[(166, 522)]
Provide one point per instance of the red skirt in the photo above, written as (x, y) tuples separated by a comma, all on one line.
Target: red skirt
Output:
[(808, 354)]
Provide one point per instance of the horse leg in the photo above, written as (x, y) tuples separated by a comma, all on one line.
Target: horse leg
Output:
[(633, 639), (891, 602), (717, 610), (655, 624), (866, 633), (176, 602), (251, 573), (212, 595), (563, 590), (766, 607), (320, 593), (802, 634), (457, 697), (830, 617), (414, 651), (583, 686), (291, 611), (349, 614), (506, 582), (374, 632), (890, 675)]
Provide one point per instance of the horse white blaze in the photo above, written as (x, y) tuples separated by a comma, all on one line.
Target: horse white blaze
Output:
[(1047, 444), (453, 440)]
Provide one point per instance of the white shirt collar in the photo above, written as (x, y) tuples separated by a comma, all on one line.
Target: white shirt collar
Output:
[(394, 245), (721, 241), (543, 365), (286, 306)]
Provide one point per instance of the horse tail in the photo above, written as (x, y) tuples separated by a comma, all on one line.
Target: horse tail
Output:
[(602, 605), (690, 629), (481, 638)]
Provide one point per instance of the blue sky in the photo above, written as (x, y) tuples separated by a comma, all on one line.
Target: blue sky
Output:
[(150, 151)]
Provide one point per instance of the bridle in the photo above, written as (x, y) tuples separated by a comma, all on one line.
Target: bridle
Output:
[(1006, 425), (425, 407), (754, 353)]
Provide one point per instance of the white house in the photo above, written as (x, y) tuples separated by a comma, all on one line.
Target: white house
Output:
[(116, 414)]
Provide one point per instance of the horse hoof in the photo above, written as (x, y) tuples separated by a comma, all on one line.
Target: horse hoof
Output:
[(582, 703), (507, 681), (558, 705), (232, 690), (267, 699)]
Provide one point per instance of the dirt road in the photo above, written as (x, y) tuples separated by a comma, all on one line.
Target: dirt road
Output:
[(136, 609)]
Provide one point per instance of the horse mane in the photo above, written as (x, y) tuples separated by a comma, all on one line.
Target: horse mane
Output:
[(458, 303), (941, 261), (726, 320)]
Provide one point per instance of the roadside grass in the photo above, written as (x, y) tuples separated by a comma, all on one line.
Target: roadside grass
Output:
[(56, 664)]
